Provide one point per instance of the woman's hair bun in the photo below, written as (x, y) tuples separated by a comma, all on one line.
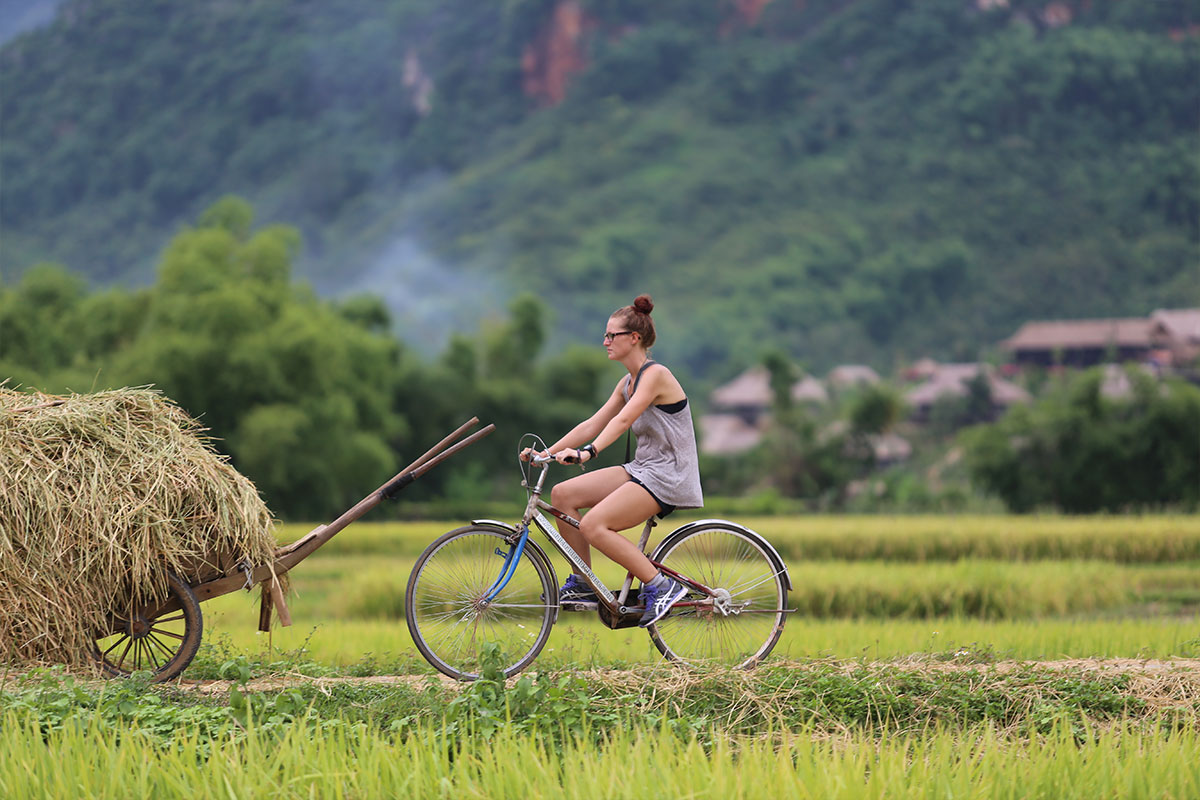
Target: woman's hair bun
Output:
[(643, 304)]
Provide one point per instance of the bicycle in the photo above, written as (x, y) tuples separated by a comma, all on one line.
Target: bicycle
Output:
[(488, 582)]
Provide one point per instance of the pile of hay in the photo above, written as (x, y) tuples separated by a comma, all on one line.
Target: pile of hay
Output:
[(99, 494)]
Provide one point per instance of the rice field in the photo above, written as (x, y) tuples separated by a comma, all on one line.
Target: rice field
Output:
[(1122, 539), (928, 657), (386, 646), (347, 600)]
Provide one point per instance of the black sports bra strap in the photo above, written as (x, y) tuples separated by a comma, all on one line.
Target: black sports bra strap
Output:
[(649, 362)]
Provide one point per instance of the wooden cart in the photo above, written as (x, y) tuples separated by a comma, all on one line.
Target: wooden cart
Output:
[(163, 637)]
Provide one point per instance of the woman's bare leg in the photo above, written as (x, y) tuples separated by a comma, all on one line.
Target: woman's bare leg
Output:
[(628, 505), (585, 491)]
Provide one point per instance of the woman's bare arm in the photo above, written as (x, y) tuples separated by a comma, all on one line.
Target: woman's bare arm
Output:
[(587, 430), (653, 381)]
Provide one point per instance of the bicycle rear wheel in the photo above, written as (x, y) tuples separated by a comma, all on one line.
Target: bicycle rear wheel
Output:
[(449, 617), (742, 625)]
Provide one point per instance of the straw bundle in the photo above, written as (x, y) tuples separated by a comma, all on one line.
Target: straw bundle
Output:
[(100, 494)]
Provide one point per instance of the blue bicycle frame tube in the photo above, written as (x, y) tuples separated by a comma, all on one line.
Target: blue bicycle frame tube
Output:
[(510, 565)]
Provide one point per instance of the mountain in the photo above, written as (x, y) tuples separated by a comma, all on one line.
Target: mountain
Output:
[(866, 180), (19, 16)]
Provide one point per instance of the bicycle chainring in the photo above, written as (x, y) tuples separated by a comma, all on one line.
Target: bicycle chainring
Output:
[(618, 621)]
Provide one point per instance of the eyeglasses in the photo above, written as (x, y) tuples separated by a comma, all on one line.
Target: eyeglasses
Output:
[(608, 337)]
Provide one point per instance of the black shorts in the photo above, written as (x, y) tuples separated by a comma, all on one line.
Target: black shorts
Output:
[(663, 508)]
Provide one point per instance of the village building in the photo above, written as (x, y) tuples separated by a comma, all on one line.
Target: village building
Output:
[(749, 394), (1116, 383), (953, 380), (809, 390), (726, 434), (1168, 338), (741, 409), (886, 448), (1081, 343), (1176, 333), (850, 376), (920, 370)]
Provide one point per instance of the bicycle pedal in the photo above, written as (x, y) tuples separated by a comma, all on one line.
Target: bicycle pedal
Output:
[(578, 605)]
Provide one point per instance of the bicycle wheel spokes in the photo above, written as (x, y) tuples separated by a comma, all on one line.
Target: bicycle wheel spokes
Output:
[(742, 623), (450, 618)]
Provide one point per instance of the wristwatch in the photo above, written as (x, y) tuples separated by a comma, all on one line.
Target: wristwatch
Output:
[(591, 448)]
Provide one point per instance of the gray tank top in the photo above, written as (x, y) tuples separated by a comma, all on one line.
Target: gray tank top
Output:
[(665, 460)]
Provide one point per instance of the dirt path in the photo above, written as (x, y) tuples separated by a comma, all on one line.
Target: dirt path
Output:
[(1184, 670)]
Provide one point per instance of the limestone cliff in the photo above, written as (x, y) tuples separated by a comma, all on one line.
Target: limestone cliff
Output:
[(555, 54)]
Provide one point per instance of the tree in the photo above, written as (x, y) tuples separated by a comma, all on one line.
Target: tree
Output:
[(783, 374), (875, 410), (299, 391), (38, 319), (1080, 451)]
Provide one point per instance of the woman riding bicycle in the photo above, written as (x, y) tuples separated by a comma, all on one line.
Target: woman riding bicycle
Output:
[(664, 474)]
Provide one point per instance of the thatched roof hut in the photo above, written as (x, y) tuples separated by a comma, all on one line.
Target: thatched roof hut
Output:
[(951, 380), (726, 434), (749, 394), (848, 376), (751, 389), (809, 390)]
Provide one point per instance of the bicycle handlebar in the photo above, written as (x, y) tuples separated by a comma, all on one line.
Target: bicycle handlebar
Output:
[(536, 459)]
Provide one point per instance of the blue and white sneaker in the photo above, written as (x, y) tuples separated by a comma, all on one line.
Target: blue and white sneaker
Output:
[(576, 591), (658, 600)]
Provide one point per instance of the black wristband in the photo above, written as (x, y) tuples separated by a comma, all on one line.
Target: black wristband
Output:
[(591, 448)]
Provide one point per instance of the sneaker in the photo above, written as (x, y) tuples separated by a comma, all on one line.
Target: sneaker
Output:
[(658, 600), (576, 591)]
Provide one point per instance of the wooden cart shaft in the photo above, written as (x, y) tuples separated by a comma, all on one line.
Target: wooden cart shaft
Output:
[(290, 555)]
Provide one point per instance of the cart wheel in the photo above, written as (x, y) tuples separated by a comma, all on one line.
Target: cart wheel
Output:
[(162, 638)]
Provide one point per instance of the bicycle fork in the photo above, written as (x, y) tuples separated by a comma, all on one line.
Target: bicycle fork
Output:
[(511, 559)]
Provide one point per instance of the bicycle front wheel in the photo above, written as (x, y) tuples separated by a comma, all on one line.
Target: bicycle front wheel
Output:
[(448, 613), (741, 625)]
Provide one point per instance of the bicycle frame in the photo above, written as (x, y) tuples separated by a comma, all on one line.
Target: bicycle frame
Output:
[(616, 603)]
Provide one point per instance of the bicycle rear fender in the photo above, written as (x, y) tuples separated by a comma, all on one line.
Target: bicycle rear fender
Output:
[(767, 547), (532, 548)]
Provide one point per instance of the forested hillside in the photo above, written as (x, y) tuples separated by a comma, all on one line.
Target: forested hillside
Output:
[(871, 180)]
